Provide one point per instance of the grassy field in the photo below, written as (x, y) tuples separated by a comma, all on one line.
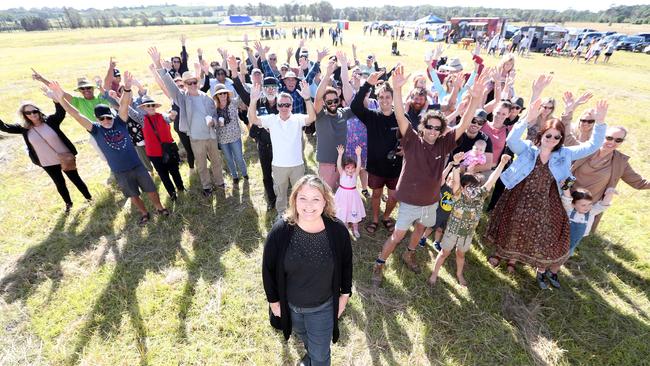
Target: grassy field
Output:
[(92, 288)]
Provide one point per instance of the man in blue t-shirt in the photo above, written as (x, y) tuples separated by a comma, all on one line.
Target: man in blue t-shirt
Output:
[(112, 137)]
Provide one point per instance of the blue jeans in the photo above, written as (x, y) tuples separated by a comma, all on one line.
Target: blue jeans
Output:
[(234, 155), (315, 327)]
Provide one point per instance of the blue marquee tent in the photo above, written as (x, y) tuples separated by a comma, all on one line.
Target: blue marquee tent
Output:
[(239, 20), (431, 19)]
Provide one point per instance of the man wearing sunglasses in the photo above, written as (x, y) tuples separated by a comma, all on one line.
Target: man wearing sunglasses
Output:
[(112, 137), (194, 106), (471, 135), (418, 188), (285, 129), (606, 167), (331, 124)]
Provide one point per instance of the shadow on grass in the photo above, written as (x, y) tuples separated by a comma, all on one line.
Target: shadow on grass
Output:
[(145, 249), (43, 261)]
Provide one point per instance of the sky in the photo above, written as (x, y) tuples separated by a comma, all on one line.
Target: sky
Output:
[(594, 5)]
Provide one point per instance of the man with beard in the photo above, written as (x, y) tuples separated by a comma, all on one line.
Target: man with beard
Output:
[(471, 135), (384, 156), (331, 125), (425, 153), (417, 106)]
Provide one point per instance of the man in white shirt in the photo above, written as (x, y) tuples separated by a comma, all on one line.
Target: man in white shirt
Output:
[(285, 129)]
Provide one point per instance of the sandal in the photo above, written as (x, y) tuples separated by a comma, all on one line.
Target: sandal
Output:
[(144, 219), (511, 267), (371, 228), (163, 212), (389, 224)]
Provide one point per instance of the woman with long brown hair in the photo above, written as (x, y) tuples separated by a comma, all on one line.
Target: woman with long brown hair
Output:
[(307, 269), (48, 147)]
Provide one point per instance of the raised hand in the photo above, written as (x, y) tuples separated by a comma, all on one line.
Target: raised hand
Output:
[(205, 67), (57, 91), (232, 62), (340, 149), (47, 92), (374, 77), (167, 65), (584, 98), (534, 110), (112, 63), (357, 150), (183, 39), (302, 43), (478, 89), (197, 69), (438, 51), (256, 93), (541, 83), (36, 76), (199, 52), (113, 94), (305, 92), (399, 79), (320, 55), (505, 158), (128, 80), (601, 111), (155, 56), (289, 52), (342, 58), (569, 101)]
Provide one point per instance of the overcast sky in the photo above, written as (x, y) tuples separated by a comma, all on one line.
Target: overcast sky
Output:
[(594, 5)]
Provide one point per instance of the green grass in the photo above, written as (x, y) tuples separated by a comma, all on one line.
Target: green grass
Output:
[(93, 288)]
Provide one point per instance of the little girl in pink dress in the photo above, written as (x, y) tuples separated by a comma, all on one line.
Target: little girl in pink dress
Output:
[(349, 206)]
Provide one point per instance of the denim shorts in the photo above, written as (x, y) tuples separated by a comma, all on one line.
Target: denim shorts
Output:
[(134, 180)]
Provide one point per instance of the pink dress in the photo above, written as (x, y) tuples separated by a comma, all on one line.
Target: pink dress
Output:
[(349, 206)]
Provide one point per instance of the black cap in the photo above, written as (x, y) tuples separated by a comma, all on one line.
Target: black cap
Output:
[(102, 110), (116, 73), (481, 114), (270, 81), (518, 102)]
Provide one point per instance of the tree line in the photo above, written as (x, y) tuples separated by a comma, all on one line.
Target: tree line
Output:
[(49, 18)]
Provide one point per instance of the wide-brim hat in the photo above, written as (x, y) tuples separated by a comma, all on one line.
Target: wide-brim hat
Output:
[(84, 83), (189, 75), (453, 65), (147, 100), (220, 89), (290, 74)]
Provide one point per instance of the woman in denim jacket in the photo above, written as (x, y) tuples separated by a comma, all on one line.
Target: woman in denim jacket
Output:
[(528, 223)]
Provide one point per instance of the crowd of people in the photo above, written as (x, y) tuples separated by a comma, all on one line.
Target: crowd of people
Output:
[(438, 146)]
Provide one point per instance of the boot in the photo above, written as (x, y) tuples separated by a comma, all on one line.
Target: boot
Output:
[(409, 259)]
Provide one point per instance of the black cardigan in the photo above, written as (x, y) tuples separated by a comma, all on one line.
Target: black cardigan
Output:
[(274, 277), (53, 120)]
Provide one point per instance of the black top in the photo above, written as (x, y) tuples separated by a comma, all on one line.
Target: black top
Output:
[(465, 143), (274, 273), (309, 267), (259, 134), (382, 137), (183, 66), (53, 120)]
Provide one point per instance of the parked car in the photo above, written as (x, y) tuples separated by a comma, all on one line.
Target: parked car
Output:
[(629, 43), (646, 36), (510, 31), (617, 37), (589, 36), (647, 50), (639, 47)]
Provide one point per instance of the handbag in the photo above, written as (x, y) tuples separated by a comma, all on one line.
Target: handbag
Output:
[(67, 159), (169, 149)]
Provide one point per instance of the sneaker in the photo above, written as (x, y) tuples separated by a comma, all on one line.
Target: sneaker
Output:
[(409, 259), (423, 242), (246, 177), (540, 280), (365, 193), (377, 274), (235, 180), (384, 198), (68, 207), (552, 278), (437, 246), (207, 192)]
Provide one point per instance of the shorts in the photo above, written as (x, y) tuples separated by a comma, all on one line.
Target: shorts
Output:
[(462, 243), (441, 219), (407, 214), (377, 182), (608, 54), (134, 180)]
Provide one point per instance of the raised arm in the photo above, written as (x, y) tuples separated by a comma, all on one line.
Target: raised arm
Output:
[(256, 91), (59, 96), (305, 93), (126, 99), (357, 152), (172, 90), (597, 137), (345, 77), (339, 159), (38, 77), (108, 79), (492, 179), (324, 81), (476, 98), (514, 140), (184, 65), (399, 79)]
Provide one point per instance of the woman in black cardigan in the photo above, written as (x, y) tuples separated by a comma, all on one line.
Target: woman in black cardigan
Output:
[(44, 140), (307, 269)]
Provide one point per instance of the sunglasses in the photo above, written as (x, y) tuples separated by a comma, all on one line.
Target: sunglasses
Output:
[(557, 137), (332, 101), (34, 111), (272, 59), (176, 62), (191, 82), (547, 107), (431, 127), (86, 88), (517, 107), (105, 118), (618, 140), (284, 105), (590, 121), (479, 122)]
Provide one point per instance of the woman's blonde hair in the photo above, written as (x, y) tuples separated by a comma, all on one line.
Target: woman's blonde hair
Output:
[(314, 181), (507, 58), (26, 122)]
